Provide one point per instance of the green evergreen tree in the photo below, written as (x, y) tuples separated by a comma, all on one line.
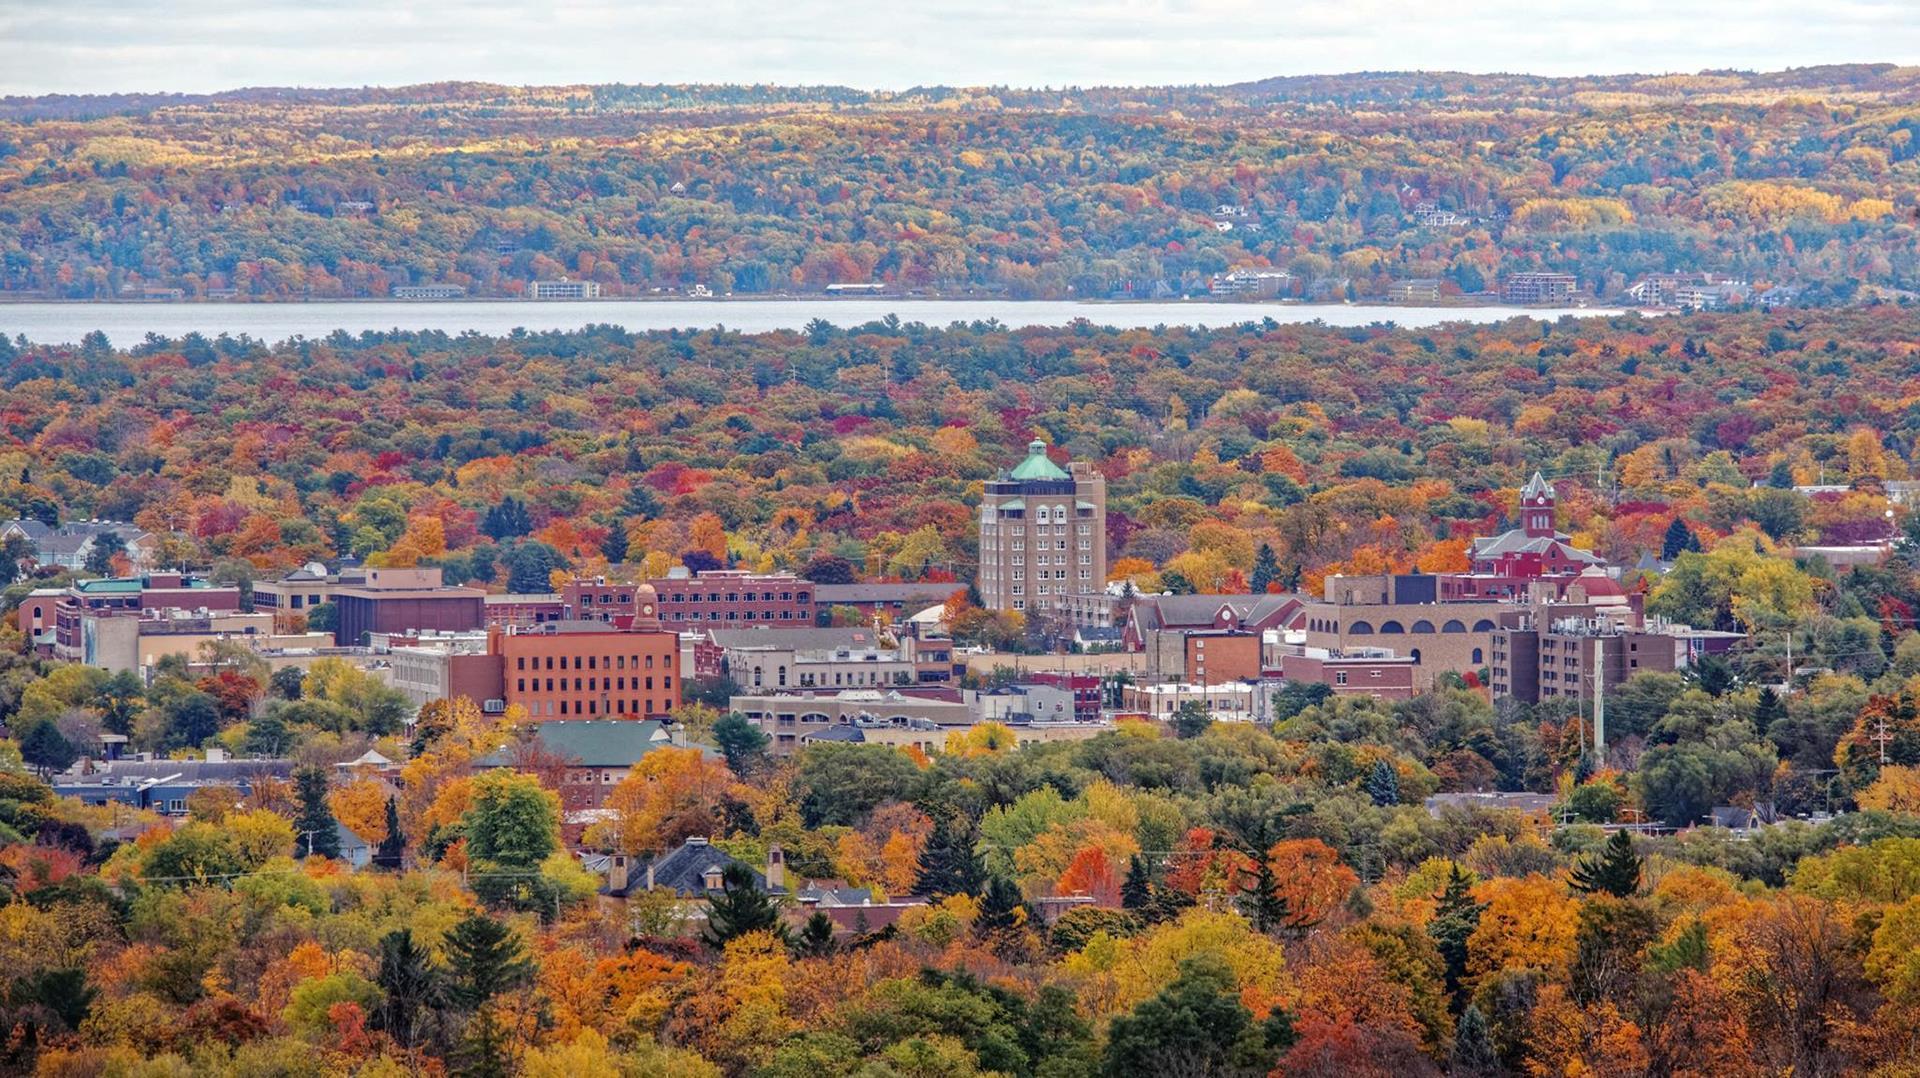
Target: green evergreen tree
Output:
[(411, 988), (1455, 917), (393, 847), (1383, 784), (1261, 902), (614, 546), (949, 864), (1266, 570), (1473, 1051), (1136, 892), (1615, 870), (1679, 540), (507, 520), (816, 937), (484, 960), (740, 907), (314, 828), (1000, 906)]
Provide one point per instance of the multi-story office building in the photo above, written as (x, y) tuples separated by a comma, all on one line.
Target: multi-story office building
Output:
[(1043, 535), (719, 598)]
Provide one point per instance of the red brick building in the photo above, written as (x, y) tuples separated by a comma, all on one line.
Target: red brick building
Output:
[(1370, 672), (557, 673), (721, 598)]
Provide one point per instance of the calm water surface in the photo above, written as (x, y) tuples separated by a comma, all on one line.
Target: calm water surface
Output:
[(128, 323)]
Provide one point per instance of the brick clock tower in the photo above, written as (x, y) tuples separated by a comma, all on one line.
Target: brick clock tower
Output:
[(1536, 508)]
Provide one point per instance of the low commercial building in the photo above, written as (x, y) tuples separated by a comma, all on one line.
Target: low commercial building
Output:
[(433, 666), (53, 618), (1375, 672), (889, 602), (136, 644), (519, 611), (900, 717), (1229, 702), (399, 600), (293, 596)]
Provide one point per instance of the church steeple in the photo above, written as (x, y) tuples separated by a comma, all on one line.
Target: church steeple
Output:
[(1536, 508)]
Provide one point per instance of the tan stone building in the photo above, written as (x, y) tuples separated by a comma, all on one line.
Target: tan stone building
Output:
[(1043, 536)]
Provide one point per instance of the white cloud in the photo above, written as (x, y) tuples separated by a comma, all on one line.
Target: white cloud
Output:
[(200, 45)]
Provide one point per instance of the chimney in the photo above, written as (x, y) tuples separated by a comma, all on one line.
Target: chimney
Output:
[(617, 873), (215, 756), (776, 868)]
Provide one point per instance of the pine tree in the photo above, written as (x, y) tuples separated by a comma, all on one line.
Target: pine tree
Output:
[(483, 961), (1455, 917), (1000, 906), (1383, 784), (1473, 1051), (614, 546), (1615, 870), (393, 848), (1266, 570), (816, 937), (1767, 710), (314, 826), (411, 987), (508, 519), (1679, 540), (1136, 893), (948, 863), (1261, 902), (740, 907)]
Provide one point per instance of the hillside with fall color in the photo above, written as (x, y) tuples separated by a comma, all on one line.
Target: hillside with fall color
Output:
[(1802, 180)]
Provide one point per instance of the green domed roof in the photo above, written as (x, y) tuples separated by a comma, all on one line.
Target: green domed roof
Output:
[(1037, 466)]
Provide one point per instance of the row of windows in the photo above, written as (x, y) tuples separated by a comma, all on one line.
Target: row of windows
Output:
[(592, 684), (589, 662), (743, 615), (643, 707), (1364, 628)]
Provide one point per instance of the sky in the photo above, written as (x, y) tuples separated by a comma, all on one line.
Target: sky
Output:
[(100, 46)]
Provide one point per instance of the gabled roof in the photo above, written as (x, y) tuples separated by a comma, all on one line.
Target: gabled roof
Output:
[(593, 742), (1517, 541), (1037, 466), (1537, 487), (1200, 611), (685, 870)]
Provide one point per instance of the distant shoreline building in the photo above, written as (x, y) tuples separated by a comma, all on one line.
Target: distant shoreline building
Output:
[(1043, 535), (564, 288)]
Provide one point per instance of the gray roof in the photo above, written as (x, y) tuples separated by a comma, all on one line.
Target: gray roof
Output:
[(836, 732), (828, 594), (1194, 611), (1536, 487), (193, 770), (591, 742), (685, 870), (794, 639), (1518, 541)]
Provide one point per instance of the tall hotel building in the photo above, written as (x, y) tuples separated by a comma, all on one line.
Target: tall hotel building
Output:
[(1043, 535)]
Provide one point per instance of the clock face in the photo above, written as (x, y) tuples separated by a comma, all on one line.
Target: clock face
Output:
[(647, 608)]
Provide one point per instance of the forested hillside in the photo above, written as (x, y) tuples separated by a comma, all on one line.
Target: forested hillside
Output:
[(1802, 180)]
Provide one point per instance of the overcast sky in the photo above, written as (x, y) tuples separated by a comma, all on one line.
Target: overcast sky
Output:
[(76, 46)]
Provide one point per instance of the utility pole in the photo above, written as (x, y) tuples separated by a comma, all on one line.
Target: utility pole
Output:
[(1881, 735)]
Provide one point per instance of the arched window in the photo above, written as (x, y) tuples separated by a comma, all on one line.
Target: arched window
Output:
[(1478, 657), (1416, 655), (1453, 626), (1361, 628), (1392, 627), (1483, 626), (1423, 626)]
